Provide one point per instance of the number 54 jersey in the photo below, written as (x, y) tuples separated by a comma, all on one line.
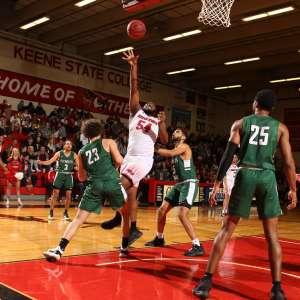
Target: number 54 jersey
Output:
[(143, 132)]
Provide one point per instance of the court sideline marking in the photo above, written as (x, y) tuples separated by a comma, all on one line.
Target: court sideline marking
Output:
[(191, 259), (281, 241)]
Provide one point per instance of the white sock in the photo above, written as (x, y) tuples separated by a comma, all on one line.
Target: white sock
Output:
[(196, 242), (7, 199), (160, 235), (19, 199)]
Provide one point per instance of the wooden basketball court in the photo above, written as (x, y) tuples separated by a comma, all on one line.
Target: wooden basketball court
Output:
[(161, 273)]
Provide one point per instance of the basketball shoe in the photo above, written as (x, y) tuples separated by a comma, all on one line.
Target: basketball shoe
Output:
[(203, 288), (53, 255), (50, 216), (195, 251), (124, 252), (156, 242), (114, 222), (66, 216), (134, 235), (277, 293)]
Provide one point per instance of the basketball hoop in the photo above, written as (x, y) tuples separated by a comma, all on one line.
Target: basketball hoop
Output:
[(216, 12)]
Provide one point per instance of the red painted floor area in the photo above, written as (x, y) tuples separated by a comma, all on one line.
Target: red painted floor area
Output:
[(161, 273)]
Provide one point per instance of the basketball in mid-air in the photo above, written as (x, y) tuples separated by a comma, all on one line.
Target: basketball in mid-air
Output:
[(136, 29)]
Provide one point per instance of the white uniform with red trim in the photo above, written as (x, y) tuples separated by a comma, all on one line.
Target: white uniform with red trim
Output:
[(230, 177), (143, 133)]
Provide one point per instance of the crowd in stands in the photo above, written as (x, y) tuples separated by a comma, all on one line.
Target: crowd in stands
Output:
[(38, 136)]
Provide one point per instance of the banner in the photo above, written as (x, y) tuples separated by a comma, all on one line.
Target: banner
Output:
[(35, 89), (79, 68)]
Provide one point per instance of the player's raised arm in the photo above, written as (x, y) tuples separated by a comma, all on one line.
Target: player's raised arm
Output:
[(289, 164), (82, 175), (232, 145), (50, 161), (134, 100), (115, 153), (173, 152), (163, 134)]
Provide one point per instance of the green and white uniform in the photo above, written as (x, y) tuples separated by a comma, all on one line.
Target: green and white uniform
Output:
[(185, 191), (103, 179), (64, 171), (256, 176)]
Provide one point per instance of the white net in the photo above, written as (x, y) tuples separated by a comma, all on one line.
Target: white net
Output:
[(216, 12)]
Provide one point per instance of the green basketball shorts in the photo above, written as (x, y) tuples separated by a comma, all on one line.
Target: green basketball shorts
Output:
[(262, 185), (63, 180), (183, 194), (97, 191)]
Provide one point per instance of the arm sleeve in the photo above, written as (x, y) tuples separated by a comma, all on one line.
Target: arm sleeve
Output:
[(226, 160)]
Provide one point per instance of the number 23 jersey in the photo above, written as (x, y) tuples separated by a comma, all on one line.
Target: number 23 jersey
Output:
[(143, 133)]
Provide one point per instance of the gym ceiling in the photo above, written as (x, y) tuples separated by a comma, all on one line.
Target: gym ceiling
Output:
[(99, 27)]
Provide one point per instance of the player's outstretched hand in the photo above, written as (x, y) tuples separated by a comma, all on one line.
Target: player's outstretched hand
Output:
[(130, 57), (162, 116), (293, 198), (212, 199)]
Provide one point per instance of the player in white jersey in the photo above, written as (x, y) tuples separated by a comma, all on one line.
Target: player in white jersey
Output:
[(228, 183), (145, 126)]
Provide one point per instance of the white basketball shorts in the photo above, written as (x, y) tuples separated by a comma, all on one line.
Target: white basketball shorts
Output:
[(135, 168)]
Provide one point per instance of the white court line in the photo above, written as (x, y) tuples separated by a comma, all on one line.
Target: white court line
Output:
[(191, 259), (281, 241)]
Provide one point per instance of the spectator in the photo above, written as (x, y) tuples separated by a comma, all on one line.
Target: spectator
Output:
[(21, 106), (30, 108), (39, 110), (32, 159)]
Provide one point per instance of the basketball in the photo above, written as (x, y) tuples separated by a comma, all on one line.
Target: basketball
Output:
[(136, 29)]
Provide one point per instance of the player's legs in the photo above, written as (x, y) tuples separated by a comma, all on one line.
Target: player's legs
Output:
[(126, 219), (67, 204), (91, 202), (125, 229), (18, 189), (8, 193), (68, 185), (72, 228), (185, 221), (220, 242), (132, 203), (162, 217), (117, 219), (55, 253), (53, 200), (162, 212), (274, 249), (132, 206), (225, 203), (275, 256), (197, 249)]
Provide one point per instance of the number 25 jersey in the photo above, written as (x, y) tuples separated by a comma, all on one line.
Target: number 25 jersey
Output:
[(143, 132), (259, 141)]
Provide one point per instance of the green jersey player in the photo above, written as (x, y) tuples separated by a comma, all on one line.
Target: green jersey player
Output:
[(182, 195), (258, 136), (98, 161), (66, 161)]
